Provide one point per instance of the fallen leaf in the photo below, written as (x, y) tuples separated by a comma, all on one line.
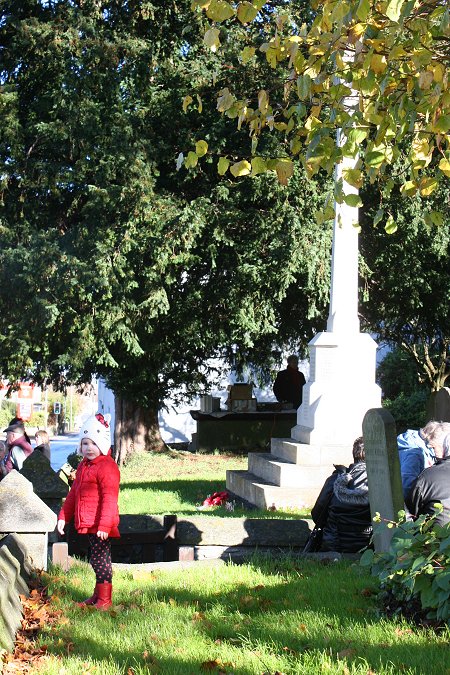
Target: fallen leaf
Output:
[(346, 652)]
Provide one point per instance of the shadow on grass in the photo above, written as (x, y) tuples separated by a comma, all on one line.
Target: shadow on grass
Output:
[(318, 612)]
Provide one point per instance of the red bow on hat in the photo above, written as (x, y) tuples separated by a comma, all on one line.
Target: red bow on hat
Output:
[(102, 420)]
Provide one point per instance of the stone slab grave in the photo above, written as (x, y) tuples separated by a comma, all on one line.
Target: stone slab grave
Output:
[(194, 538), (439, 405), (383, 470)]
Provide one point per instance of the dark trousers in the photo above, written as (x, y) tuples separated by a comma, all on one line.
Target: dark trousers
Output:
[(100, 558)]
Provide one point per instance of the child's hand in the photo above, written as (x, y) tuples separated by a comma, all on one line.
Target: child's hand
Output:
[(102, 535), (60, 526)]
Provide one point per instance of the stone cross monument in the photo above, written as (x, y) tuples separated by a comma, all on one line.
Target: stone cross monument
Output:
[(342, 359)]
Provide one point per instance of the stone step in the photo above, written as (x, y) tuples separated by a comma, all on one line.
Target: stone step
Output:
[(286, 474), (267, 495), (310, 455)]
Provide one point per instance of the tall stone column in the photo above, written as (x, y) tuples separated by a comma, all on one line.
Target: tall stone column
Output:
[(342, 359)]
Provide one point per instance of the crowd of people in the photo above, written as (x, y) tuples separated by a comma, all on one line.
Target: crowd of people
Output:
[(341, 513), (17, 447)]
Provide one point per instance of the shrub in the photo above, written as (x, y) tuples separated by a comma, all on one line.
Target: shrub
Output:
[(408, 411), (415, 572)]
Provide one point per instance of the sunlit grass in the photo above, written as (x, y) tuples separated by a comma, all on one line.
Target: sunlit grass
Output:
[(179, 482), (268, 616)]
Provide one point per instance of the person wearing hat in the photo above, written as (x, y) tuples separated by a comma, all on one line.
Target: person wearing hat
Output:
[(18, 448), (92, 503)]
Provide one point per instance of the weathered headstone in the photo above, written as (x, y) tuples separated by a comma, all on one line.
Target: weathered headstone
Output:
[(23, 513), (47, 485), (439, 405), (383, 470)]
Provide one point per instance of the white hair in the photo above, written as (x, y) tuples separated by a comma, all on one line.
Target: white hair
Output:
[(446, 446)]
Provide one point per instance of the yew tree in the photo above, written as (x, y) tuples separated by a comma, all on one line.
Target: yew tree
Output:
[(112, 262)]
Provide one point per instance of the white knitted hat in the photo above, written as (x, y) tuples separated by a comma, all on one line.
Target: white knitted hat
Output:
[(97, 429)]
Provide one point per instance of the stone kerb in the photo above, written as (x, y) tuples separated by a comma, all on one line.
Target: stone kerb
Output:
[(13, 583), (23, 513), (383, 470)]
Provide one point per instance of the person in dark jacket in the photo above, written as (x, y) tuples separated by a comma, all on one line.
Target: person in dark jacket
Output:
[(433, 486), (342, 508), (43, 443), (288, 385)]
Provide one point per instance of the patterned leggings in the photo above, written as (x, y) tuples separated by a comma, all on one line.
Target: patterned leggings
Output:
[(100, 558)]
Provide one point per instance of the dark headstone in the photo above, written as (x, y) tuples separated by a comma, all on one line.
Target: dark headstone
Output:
[(383, 470)]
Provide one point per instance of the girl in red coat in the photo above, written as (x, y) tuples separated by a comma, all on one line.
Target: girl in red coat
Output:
[(92, 502)]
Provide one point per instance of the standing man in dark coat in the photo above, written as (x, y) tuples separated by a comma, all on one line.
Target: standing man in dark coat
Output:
[(288, 386), (433, 486)]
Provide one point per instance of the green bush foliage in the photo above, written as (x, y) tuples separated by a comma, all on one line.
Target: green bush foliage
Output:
[(408, 410), (415, 572)]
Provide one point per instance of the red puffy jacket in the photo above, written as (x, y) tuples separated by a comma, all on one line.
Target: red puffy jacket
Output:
[(92, 499)]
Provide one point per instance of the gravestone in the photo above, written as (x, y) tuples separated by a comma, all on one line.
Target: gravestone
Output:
[(439, 405), (47, 485), (23, 513), (383, 470)]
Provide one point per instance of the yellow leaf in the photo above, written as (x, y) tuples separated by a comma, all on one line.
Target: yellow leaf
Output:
[(444, 166), (246, 12), (353, 177), (222, 165), (284, 169), (201, 148), (219, 11), (408, 189), (225, 100), (427, 186), (393, 9), (438, 72), (425, 79), (258, 165), (187, 102), (191, 160), (390, 226), (200, 3), (263, 101), (200, 104), (378, 63), (247, 54), (241, 168), (211, 39)]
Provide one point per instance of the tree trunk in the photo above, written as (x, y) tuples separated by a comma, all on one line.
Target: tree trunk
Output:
[(136, 430)]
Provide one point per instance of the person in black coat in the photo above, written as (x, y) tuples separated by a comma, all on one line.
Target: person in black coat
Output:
[(288, 385), (342, 508), (43, 443)]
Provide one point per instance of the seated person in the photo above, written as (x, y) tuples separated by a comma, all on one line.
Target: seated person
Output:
[(42, 442), (18, 449), (416, 450), (288, 385), (342, 508), (433, 486)]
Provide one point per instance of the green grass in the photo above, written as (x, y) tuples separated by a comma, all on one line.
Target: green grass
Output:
[(178, 482), (268, 616)]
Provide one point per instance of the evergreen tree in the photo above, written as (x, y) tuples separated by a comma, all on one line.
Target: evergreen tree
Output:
[(112, 263)]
